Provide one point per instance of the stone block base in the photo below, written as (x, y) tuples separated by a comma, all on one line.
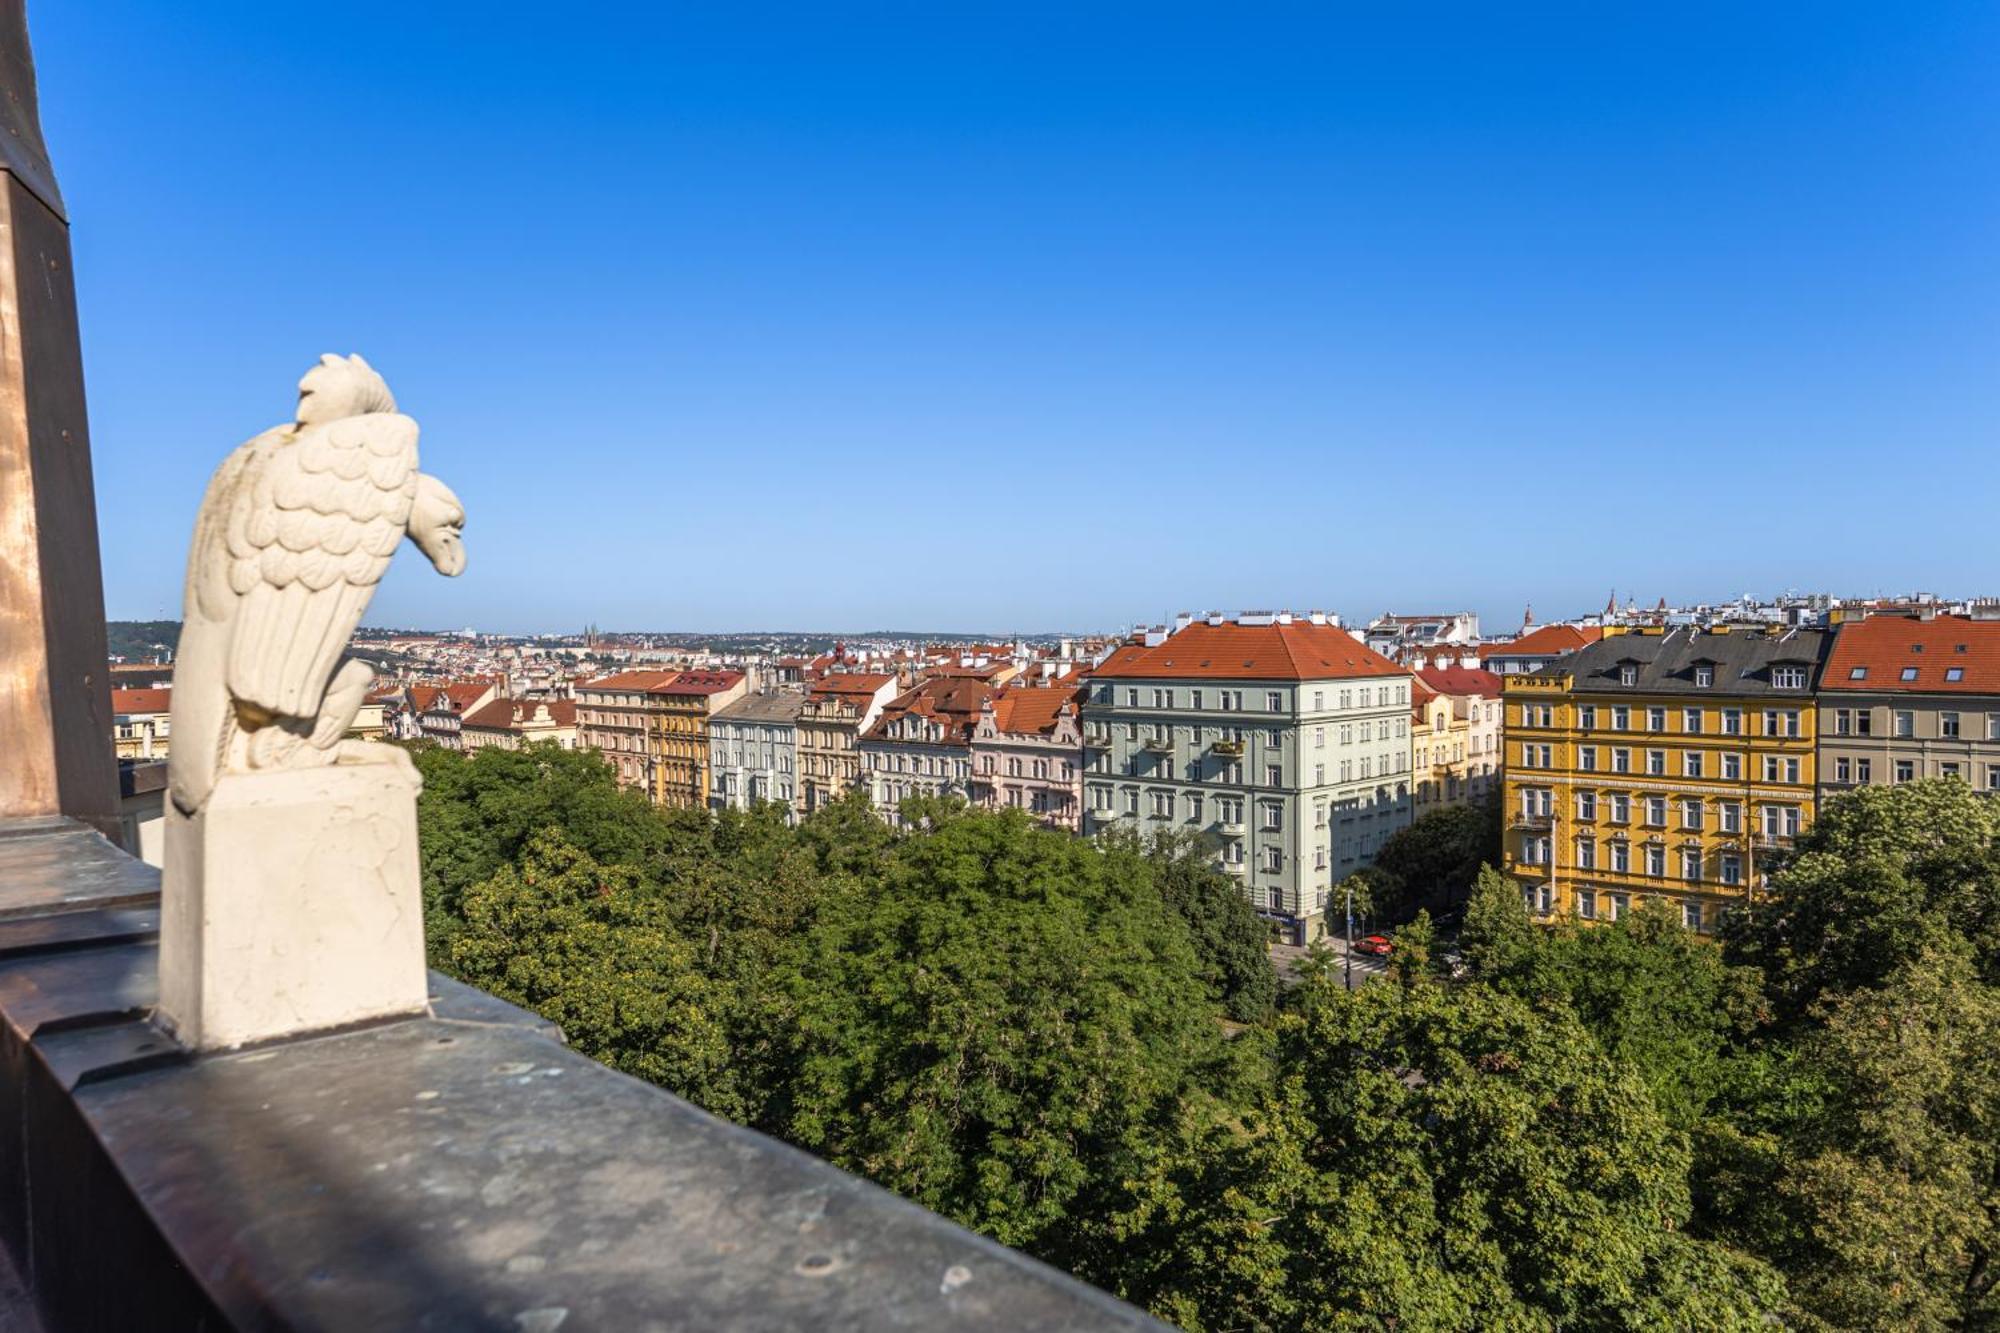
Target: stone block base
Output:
[(291, 904)]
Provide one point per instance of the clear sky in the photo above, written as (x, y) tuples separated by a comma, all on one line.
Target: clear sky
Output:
[(1060, 315)]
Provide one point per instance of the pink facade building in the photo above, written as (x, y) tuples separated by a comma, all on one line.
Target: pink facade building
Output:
[(1027, 754)]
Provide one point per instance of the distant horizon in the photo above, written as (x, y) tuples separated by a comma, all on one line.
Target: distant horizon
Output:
[(1487, 628)]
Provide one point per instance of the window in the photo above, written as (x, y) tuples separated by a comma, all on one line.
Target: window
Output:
[(1656, 763), (1905, 722), (1691, 721), (1948, 725), (1586, 805), (1954, 674), (1704, 676), (1656, 812), (1274, 816), (1732, 722), (1729, 816), (1586, 758), (1858, 673), (1691, 812), (1194, 806), (1628, 675), (1729, 868), (1691, 763), (1131, 698), (1131, 800), (1586, 853), (1586, 904), (1909, 673), (1620, 808), (1691, 915), (1620, 905), (1163, 805), (1274, 776), (1621, 718), (1656, 861), (1621, 760), (1163, 698), (1274, 702), (1586, 716), (1621, 857), (1781, 722), (1319, 700), (1691, 865), (1843, 771), (1947, 770), (1788, 677), (1906, 771), (1656, 719), (1274, 859), (1993, 777), (1732, 767)]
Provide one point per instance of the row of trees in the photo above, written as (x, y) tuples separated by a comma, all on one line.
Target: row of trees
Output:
[(1076, 1047)]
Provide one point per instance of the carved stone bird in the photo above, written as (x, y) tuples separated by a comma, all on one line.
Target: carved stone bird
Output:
[(296, 529)]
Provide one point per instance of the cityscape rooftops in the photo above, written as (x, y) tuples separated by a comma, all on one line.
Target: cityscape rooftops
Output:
[(1739, 660), (1031, 710), (1548, 641), (1460, 681), (505, 714), (774, 706)]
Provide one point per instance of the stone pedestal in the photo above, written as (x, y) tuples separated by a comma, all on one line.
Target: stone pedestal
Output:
[(291, 904)]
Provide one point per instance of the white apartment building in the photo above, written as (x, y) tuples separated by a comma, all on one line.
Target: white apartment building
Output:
[(1284, 739), (753, 750)]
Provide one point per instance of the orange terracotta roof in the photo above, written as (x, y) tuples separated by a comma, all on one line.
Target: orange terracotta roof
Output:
[(1461, 680), (465, 692), (1887, 648), (701, 682), (849, 683), (1230, 651), (1031, 710), (141, 701), (1548, 641), (509, 714)]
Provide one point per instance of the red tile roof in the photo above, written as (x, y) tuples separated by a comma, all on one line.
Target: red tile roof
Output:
[(141, 701), (954, 701), (849, 684), (1031, 710), (1461, 681), (1231, 651), (701, 682), (510, 714), (464, 693), (1885, 647), (1548, 641)]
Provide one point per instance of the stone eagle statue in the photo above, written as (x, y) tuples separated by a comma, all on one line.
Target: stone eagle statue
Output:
[(296, 529)]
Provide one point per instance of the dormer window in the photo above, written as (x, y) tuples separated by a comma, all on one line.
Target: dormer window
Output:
[(1788, 677), (1628, 674), (1704, 676)]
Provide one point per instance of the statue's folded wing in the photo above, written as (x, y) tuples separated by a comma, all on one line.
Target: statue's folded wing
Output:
[(309, 537)]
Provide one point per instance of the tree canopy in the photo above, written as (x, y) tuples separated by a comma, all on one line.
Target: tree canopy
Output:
[(1070, 1045)]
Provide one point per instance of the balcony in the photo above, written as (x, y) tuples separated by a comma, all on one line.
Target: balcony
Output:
[(1527, 821), (1772, 842), (1158, 745), (1226, 749), (1229, 828)]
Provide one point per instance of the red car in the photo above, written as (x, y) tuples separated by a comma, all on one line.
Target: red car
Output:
[(1378, 945)]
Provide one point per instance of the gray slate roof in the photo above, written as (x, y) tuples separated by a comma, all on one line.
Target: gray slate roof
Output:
[(779, 706), (1742, 659)]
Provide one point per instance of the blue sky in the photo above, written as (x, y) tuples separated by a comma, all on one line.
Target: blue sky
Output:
[(1060, 316)]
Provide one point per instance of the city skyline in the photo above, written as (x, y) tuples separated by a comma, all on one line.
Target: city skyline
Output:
[(795, 318)]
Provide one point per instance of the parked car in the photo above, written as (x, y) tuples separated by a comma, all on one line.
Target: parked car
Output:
[(1377, 945)]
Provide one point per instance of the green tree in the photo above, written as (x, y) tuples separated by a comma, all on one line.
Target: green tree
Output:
[(992, 1027), (1499, 937), (1893, 1175), (1230, 940), (1435, 1157), (1882, 873), (590, 947), (1436, 859)]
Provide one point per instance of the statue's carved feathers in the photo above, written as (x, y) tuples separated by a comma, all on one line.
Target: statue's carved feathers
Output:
[(315, 520)]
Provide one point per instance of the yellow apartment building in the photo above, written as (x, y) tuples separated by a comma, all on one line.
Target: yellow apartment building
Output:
[(1659, 763), (681, 775)]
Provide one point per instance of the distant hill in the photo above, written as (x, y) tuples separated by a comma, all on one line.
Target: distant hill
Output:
[(142, 640)]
